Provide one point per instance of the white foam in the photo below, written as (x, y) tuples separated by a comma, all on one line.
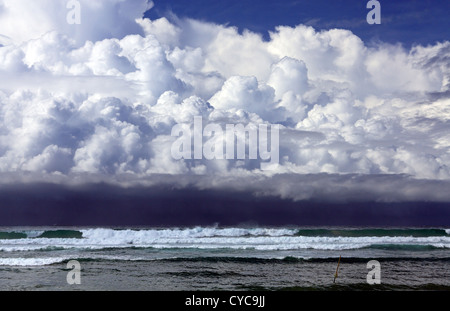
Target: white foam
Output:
[(30, 261), (33, 233), (196, 232), (209, 238), (441, 245), (18, 261), (262, 240)]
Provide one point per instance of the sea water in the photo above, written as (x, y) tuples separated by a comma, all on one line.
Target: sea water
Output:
[(215, 258)]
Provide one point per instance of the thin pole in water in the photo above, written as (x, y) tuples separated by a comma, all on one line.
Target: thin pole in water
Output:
[(337, 268)]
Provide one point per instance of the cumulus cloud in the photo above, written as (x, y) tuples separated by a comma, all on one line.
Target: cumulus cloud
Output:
[(21, 20), (101, 98)]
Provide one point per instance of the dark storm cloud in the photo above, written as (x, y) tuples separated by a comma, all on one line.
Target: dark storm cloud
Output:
[(281, 200)]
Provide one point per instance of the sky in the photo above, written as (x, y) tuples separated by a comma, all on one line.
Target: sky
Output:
[(408, 22), (88, 112)]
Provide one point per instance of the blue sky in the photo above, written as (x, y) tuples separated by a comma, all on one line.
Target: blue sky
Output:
[(406, 21)]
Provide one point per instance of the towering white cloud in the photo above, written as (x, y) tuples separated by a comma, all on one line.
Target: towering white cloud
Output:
[(102, 97), (22, 20)]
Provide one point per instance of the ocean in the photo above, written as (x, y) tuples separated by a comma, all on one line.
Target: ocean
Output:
[(216, 258)]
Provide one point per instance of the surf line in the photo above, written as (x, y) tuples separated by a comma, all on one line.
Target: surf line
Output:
[(337, 268)]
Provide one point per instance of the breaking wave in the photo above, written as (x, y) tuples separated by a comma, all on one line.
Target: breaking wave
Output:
[(269, 239)]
